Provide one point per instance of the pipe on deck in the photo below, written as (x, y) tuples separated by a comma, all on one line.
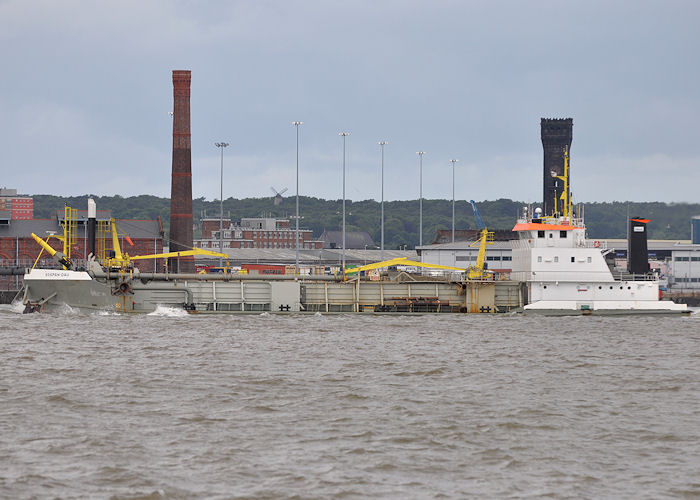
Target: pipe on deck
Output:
[(215, 277)]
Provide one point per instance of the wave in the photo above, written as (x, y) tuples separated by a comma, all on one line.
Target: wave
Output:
[(15, 308), (170, 312)]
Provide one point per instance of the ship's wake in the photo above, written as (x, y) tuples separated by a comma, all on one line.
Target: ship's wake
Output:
[(171, 312)]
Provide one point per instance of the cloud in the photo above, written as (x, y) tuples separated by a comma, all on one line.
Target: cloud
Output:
[(87, 88)]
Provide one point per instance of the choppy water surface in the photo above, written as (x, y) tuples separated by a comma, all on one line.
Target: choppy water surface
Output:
[(348, 406)]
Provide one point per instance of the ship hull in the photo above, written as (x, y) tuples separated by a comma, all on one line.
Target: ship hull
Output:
[(599, 298), (211, 294), (608, 308)]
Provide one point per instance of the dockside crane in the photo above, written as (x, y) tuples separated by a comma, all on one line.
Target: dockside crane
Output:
[(476, 272)]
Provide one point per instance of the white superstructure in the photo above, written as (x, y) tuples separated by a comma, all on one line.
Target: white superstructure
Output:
[(565, 273)]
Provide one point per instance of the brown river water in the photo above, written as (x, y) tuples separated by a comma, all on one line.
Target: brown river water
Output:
[(348, 406)]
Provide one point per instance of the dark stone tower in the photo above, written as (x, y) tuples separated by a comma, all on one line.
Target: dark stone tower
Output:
[(556, 135), (181, 187)]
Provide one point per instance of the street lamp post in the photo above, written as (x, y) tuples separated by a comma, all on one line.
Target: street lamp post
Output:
[(453, 160), (296, 233), (420, 202), (382, 144), (344, 135), (221, 145)]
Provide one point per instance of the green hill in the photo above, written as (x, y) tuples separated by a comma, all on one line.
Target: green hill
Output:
[(604, 220)]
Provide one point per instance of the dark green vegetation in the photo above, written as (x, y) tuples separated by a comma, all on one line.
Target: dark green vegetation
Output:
[(604, 220)]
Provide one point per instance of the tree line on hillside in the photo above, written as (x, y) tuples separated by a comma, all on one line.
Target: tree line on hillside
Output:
[(603, 220)]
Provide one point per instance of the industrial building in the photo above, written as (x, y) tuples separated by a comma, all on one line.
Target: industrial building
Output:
[(353, 239), (685, 268), (254, 232), (695, 230), (15, 206)]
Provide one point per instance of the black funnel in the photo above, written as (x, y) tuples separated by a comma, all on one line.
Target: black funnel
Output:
[(637, 254)]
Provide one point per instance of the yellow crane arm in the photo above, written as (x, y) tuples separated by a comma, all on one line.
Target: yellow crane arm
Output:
[(44, 245), (59, 257), (481, 258), (185, 253), (115, 242), (486, 238), (400, 261)]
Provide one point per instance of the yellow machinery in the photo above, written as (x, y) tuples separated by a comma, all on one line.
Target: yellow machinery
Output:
[(68, 239), (102, 230), (477, 272), (70, 226), (400, 261), (565, 198), (59, 257), (121, 262)]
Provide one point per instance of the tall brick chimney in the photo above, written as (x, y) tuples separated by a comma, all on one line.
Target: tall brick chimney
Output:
[(181, 187)]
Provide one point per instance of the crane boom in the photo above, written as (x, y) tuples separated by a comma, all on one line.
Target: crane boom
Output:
[(485, 238), (477, 216), (59, 257)]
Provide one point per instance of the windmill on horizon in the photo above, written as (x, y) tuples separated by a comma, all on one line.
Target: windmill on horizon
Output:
[(278, 195)]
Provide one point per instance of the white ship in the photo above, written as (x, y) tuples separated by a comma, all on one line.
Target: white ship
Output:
[(565, 273)]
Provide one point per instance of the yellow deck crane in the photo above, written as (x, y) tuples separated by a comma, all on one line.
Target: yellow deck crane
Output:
[(477, 272), (121, 262), (59, 257), (399, 261)]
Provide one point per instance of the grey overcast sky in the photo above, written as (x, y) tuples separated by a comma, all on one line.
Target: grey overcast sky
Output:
[(86, 88)]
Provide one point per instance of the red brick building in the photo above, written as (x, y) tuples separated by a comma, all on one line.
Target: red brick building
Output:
[(15, 206), (255, 233)]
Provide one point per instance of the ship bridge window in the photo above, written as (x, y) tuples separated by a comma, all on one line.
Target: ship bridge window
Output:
[(562, 234), (540, 234), (551, 235), (573, 259)]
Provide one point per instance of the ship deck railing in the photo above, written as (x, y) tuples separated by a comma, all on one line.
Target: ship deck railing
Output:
[(618, 276)]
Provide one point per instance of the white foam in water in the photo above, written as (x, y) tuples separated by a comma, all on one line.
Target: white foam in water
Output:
[(66, 309), (171, 312), (15, 308), (265, 314), (106, 313)]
